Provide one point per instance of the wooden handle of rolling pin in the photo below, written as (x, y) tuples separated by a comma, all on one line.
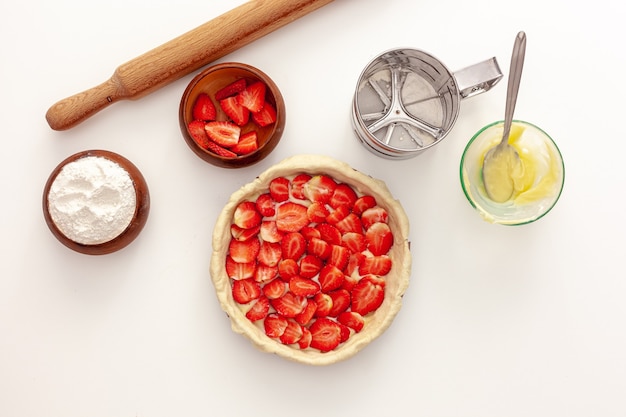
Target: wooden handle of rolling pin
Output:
[(181, 56)]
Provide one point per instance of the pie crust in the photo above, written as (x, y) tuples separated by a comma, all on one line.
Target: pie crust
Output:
[(397, 279)]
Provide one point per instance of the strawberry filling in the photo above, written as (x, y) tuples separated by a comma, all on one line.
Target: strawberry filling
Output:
[(308, 259)]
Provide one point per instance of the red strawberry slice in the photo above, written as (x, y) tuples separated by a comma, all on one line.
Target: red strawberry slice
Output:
[(289, 305), (355, 261), (246, 290), (203, 108), (231, 89), (319, 248), (293, 245), (317, 212), (265, 273), (338, 214), (339, 256), (308, 313), (319, 188), (246, 215), (235, 111), (376, 265), (310, 232), (325, 334), (259, 309), (247, 144), (244, 251), (266, 116), (291, 217), (349, 281), (292, 333), (240, 233), (220, 150), (270, 253), (297, 184), (324, 304), (355, 242), (253, 96), (341, 301), (269, 232), (329, 233), (239, 270), (303, 286), (275, 325), (198, 134), (363, 203), (374, 215), (310, 266), (343, 195), (287, 269), (266, 205), (350, 223), (223, 133), (379, 238), (366, 297), (275, 289), (330, 278), (279, 189), (305, 340), (351, 319), (374, 279)]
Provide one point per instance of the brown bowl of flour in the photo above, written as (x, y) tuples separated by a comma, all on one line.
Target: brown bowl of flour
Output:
[(96, 202)]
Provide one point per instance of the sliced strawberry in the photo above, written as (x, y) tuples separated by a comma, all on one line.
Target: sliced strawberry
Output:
[(266, 205), (350, 223), (203, 108), (345, 333), (220, 150), (231, 89), (240, 233), (375, 279), (292, 333), (246, 215), (343, 195), (355, 261), (319, 248), (317, 212), (293, 245), (291, 217), (289, 305), (247, 144), (330, 278), (338, 214), (379, 238), (349, 281), (303, 286), (223, 133), (246, 290), (310, 266), (351, 319), (308, 313), (310, 232), (366, 297), (244, 251), (374, 215), (265, 273), (341, 301), (363, 203), (269, 232), (287, 269), (297, 184), (355, 242), (376, 265), (259, 309), (197, 132), (253, 96), (275, 325), (279, 189), (239, 270), (319, 188), (325, 334), (305, 340), (270, 253), (266, 116), (329, 233), (235, 111), (339, 256), (275, 289), (324, 304)]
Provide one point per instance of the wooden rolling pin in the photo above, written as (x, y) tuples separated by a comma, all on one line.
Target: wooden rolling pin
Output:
[(181, 56)]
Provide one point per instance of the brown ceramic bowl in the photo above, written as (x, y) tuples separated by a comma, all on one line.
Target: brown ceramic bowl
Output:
[(96, 202), (210, 81)]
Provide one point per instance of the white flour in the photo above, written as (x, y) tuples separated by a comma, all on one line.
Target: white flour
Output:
[(92, 200)]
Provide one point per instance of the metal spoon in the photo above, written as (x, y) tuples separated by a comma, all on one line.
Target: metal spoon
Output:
[(492, 163)]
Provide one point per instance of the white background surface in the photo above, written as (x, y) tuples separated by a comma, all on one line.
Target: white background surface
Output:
[(497, 321)]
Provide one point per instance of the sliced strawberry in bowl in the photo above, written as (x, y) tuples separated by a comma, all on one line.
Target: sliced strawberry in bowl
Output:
[(225, 134), (203, 108)]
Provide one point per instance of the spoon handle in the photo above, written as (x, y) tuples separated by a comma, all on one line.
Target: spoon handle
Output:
[(515, 76)]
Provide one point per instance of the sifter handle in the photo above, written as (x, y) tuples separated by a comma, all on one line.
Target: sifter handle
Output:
[(181, 56)]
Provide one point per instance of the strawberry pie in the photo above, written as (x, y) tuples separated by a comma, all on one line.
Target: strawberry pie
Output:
[(311, 259)]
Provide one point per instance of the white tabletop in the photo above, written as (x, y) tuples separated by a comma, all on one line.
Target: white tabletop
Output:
[(497, 321)]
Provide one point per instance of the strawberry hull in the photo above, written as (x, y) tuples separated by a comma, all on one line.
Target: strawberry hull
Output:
[(378, 314)]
